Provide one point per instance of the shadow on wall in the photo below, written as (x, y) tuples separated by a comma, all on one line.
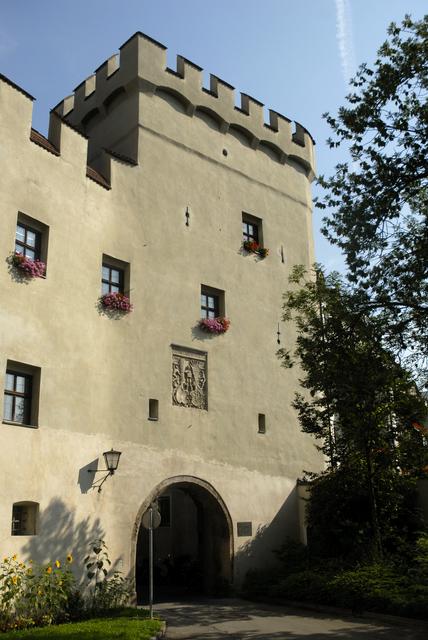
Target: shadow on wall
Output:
[(258, 552), (87, 476), (59, 534)]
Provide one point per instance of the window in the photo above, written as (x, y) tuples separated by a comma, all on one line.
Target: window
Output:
[(262, 423), (31, 238), (17, 397), (209, 305), (27, 242), (164, 504), (21, 390), (114, 275), (112, 280), (24, 518), (153, 409), (212, 302), (251, 229)]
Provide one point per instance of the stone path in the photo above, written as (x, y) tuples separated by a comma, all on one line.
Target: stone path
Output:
[(241, 620)]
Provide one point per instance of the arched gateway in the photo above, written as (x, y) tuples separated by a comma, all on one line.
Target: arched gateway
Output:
[(193, 547)]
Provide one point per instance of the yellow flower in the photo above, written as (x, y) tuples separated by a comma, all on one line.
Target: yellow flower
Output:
[(14, 557), (57, 564), (29, 571), (30, 561), (49, 570), (14, 579), (39, 592), (21, 565), (69, 558), (5, 559)]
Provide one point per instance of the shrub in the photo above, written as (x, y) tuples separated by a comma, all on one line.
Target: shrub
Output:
[(106, 592)]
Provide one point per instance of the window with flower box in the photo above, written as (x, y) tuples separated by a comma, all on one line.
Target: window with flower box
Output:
[(115, 285), (252, 235), (31, 240), (21, 387)]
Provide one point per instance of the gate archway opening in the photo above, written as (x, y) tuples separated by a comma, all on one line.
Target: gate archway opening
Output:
[(192, 546)]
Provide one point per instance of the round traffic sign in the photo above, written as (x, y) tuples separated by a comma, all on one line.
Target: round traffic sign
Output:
[(156, 518)]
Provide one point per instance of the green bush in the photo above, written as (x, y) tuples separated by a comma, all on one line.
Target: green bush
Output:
[(305, 585), (373, 587)]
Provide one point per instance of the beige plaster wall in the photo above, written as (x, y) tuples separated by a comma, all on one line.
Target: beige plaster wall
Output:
[(98, 373)]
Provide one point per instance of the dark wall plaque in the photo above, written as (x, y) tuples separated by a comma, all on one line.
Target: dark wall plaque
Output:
[(245, 529)]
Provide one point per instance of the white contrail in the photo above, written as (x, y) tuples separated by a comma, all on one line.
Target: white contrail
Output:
[(345, 39)]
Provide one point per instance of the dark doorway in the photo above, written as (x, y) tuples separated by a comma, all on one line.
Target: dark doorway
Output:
[(192, 546)]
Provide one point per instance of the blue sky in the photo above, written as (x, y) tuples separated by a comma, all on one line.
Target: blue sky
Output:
[(293, 55)]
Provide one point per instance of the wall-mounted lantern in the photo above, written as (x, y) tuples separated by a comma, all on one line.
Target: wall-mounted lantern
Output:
[(112, 462)]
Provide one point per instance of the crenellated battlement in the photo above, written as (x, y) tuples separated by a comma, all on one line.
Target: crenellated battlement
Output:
[(141, 66)]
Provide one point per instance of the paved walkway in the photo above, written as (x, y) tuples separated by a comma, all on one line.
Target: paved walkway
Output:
[(240, 620)]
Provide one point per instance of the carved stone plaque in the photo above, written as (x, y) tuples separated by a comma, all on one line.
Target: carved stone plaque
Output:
[(189, 378)]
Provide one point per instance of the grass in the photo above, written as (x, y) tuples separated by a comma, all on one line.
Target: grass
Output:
[(126, 624)]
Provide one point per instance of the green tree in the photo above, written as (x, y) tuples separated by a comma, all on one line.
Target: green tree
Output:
[(378, 201), (360, 405)]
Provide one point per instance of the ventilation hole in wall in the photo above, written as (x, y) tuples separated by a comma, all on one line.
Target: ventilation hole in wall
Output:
[(262, 423), (282, 254), (153, 409), (225, 152)]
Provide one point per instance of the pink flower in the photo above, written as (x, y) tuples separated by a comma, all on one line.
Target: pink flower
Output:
[(117, 302), (30, 268), (214, 325)]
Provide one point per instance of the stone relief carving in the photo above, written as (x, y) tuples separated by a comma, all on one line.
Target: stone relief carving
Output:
[(189, 378)]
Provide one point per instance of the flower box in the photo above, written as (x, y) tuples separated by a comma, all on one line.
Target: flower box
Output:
[(30, 268), (214, 325), (116, 302), (253, 247)]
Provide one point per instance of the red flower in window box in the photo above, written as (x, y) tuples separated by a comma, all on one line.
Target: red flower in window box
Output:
[(253, 247), (30, 268), (214, 325), (116, 302)]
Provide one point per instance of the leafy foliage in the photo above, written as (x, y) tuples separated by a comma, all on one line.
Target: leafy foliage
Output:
[(387, 586), (34, 595), (360, 406), (107, 591), (379, 199)]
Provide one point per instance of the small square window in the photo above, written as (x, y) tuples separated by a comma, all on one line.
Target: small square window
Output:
[(114, 276), (164, 505), (252, 229), (212, 302), (20, 404), (24, 518)]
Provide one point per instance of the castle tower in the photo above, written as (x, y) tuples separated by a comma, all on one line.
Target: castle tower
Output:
[(148, 185)]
